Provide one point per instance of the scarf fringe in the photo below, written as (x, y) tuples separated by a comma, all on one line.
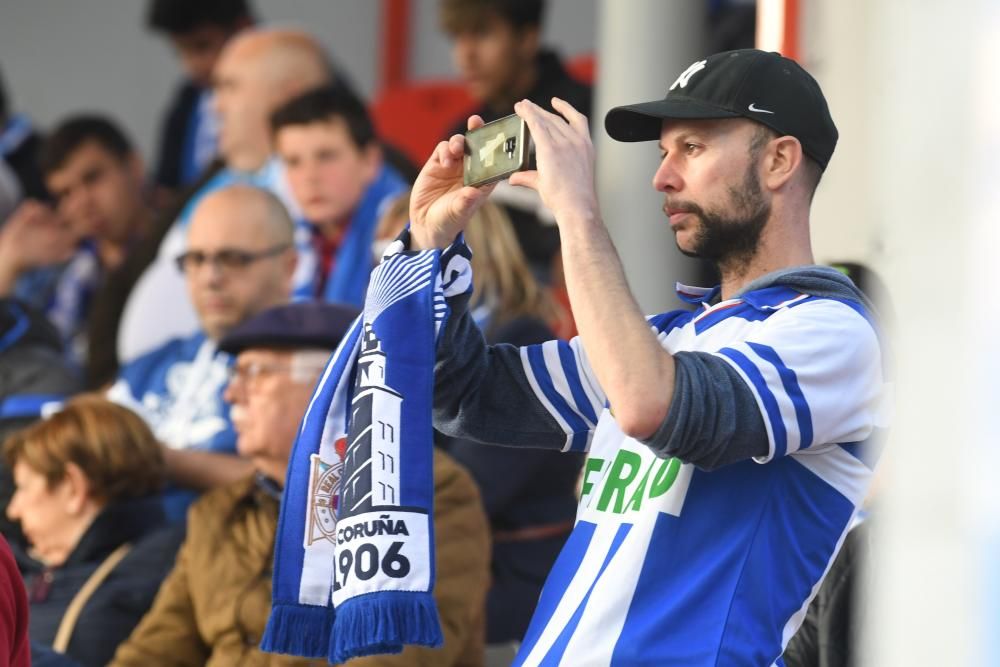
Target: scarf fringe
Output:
[(383, 623), (297, 629)]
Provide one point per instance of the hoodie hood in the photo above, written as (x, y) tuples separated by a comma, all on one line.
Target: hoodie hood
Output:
[(814, 280)]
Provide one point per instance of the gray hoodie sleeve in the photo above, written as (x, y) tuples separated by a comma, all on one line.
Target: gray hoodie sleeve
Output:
[(482, 393), (713, 418)]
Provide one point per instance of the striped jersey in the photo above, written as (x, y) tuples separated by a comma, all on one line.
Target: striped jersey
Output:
[(673, 565)]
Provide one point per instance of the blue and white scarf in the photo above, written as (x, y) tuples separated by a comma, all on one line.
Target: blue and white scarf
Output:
[(354, 553)]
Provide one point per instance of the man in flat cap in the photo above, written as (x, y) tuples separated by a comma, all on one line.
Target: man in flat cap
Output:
[(213, 607), (727, 444)]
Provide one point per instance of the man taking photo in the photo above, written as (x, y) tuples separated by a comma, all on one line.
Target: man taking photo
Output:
[(728, 445)]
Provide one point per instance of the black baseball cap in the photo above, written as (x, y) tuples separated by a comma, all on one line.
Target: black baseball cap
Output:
[(748, 83), (293, 326)]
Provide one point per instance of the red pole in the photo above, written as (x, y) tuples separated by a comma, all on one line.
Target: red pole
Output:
[(395, 41), (778, 27), (790, 38)]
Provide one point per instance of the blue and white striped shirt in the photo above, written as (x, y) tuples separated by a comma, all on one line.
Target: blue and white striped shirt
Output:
[(672, 564)]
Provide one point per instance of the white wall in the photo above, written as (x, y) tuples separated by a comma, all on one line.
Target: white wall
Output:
[(60, 57)]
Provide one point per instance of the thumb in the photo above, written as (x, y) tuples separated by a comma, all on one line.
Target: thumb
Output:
[(527, 179)]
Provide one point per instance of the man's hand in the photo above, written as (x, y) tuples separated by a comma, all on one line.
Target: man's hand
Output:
[(565, 156), (440, 206), (33, 237), (202, 470)]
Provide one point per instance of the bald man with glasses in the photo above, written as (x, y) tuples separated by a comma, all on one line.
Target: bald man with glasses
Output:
[(239, 261)]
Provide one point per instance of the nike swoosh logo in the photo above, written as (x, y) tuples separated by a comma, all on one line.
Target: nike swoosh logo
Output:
[(753, 108)]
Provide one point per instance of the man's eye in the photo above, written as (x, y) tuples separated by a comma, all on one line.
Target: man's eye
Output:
[(232, 259)]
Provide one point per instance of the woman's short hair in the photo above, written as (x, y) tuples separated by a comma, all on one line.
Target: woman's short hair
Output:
[(112, 445)]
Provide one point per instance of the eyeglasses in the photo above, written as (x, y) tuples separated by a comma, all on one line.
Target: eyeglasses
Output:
[(227, 259), (249, 372)]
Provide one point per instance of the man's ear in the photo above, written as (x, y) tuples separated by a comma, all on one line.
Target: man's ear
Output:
[(782, 159)]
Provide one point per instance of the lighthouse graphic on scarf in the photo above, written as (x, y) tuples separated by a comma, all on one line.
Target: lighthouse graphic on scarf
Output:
[(371, 462)]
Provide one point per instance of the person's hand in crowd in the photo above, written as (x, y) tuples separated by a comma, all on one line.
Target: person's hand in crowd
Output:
[(564, 154), (34, 236), (440, 206)]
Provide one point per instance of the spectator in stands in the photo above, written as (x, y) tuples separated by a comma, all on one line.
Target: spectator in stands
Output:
[(14, 647), (20, 145), (87, 482), (60, 259), (198, 31), (336, 171), (239, 261), (214, 606), (36, 379), (258, 71), (496, 48)]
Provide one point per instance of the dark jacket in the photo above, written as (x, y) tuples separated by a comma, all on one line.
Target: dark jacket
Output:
[(173, 135), (830, 635), (125, 595), (33, 371), (23, 161), (530, 499)]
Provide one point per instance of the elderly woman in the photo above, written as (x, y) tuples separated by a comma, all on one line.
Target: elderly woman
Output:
[(86, 495)]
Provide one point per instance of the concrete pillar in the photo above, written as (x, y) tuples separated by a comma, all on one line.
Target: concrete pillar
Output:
[(921, 90), (642, 45)]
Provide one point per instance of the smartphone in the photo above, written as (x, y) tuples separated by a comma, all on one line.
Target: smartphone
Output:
[(496, 150)]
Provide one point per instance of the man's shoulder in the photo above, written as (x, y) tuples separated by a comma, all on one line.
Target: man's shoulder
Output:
[(173, 351)]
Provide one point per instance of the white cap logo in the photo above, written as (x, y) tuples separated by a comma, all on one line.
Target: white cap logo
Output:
[(686, 75)]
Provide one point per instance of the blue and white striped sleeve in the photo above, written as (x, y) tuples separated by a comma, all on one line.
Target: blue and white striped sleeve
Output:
[(564, 383), (537, 396), (815, 371)]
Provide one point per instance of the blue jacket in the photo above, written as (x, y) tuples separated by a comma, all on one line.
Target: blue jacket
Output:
[(177, 389)]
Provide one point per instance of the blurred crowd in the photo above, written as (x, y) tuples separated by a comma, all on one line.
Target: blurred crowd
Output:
[(164, 320)]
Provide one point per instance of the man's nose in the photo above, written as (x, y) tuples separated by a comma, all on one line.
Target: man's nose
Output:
[(667, 178)]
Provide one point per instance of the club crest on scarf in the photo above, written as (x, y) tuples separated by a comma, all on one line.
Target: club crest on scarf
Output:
[(324, 480)]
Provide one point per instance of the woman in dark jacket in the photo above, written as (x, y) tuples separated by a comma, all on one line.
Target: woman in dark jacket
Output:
[(86, 484)]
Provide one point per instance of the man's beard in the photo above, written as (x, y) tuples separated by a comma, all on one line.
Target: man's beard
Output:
[(729, 239)]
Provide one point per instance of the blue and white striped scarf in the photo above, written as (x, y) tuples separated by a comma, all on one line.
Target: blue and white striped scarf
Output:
[(354, 553)]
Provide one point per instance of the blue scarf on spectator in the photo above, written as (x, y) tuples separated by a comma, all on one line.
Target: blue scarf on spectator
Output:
[(354, 553), (349, 277)]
